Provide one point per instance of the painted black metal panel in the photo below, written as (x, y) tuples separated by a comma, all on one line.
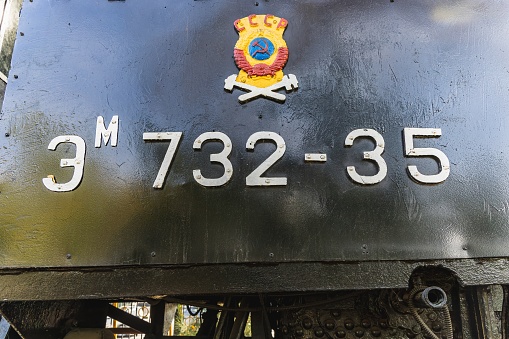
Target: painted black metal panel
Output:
[(161, 66)]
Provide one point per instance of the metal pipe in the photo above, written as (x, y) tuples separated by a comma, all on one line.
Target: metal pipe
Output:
[(431, 297)]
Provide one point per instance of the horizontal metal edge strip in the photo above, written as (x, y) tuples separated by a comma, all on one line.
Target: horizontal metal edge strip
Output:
[(111, 283)]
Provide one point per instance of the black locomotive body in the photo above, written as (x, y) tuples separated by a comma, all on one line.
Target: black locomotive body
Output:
[(319, 169)]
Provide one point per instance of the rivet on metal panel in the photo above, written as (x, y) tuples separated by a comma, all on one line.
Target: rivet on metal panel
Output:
[(68, 256), (432, 316), (365, 323), (349, 324), (340, 334), (153, 254), (307, 323), (330, 324), (436, 326), (271, 255), (359, 333), (15, 76)]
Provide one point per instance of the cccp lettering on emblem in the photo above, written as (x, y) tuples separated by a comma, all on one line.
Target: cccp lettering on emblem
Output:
[(261, 53)]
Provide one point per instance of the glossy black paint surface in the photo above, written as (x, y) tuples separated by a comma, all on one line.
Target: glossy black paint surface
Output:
[(161, 67)]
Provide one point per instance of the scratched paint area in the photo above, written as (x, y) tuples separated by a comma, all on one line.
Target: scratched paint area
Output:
[(161, 67)]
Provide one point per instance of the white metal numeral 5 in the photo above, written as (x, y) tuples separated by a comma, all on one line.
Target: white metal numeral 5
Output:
[(78, 163), (174, 138), (221, 158), (255, 178), (375, 155), (410, 151)]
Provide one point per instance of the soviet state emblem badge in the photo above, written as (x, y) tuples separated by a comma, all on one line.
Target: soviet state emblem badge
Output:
[(261, 54)]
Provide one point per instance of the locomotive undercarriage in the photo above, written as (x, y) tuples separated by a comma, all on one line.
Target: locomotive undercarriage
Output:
[(433, 306)]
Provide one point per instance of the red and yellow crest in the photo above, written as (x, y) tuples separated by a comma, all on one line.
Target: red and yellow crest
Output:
[(261, 53)]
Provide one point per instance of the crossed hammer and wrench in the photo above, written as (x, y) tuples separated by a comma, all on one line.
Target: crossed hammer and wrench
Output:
[(289, 82)]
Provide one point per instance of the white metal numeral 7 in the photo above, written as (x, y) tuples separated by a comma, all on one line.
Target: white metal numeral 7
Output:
[(174, 138), (410, 151)]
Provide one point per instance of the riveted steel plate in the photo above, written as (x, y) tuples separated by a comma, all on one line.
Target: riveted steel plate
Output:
[(161, 66)]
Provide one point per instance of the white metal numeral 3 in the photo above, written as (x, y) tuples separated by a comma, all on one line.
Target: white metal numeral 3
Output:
[(255, 178), (375, 155), (78, 163), (174, 138), (443, 161), (221, 158)]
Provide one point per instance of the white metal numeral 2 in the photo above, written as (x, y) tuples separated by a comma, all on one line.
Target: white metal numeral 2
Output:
[(174, 138), (221, 158), (410, 151), (375, 155), (255, 178), (78, 163)]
